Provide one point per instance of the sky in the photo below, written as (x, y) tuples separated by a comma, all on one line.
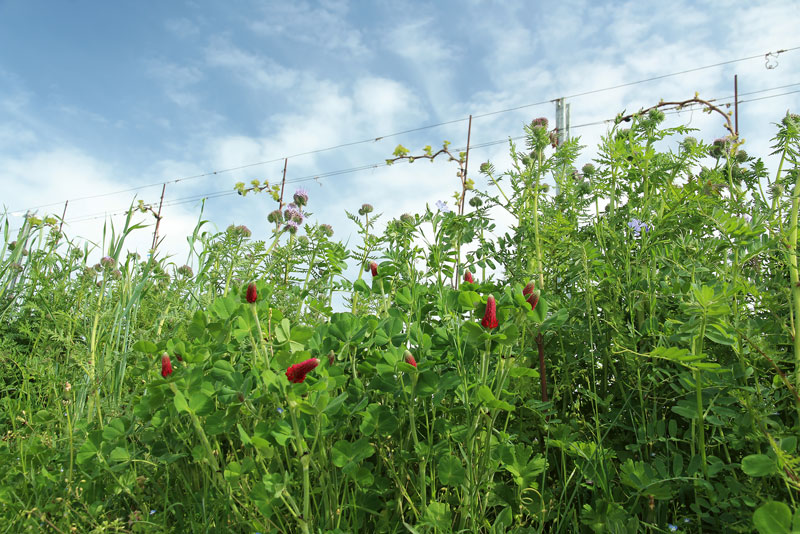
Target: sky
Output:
[(105, 98)]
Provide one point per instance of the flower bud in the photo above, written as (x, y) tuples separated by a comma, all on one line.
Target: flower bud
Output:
[(252, 293), (166, 365)]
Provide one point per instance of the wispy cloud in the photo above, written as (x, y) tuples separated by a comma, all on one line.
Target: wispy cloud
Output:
[(177, 80), (253, 70), (325, 27)]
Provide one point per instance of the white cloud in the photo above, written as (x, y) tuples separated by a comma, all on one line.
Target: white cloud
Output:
[(429, 56), (252, 70), (182, 27), (177, 80), (324, 27)]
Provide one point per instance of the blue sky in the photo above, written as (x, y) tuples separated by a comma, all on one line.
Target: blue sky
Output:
[(97, 97)]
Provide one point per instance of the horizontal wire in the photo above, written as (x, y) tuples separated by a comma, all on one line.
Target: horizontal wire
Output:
[(224, 193), (411, 130)]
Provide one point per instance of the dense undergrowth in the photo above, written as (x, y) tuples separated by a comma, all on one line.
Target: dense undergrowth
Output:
[(645, 382)]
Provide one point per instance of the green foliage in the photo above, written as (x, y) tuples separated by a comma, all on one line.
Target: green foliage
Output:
[(652, 388)]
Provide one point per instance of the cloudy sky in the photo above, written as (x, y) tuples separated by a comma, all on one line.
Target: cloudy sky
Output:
[(100, 97)]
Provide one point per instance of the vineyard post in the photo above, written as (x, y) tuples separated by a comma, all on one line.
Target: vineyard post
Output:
[(63, 214), (283, 181), (466, 168), (736, 103), (158, 218)]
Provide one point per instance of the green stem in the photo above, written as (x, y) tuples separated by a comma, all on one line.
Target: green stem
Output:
[(793, 275)]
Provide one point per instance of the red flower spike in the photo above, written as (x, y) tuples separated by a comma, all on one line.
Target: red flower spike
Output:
[(410, 358), (252, 293), (532, 296), (373, 267), (297, 372), (166, 365), (468, 278), (490, 316)]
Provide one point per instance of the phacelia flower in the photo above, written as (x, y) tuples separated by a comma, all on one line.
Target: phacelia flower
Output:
[(275, 216), (301, 197), (107, 262), (186, 271), (490, 315), (297, 372), (373, 268), (588, 169), (409, 358), (365, 209), (243, 231), (531, 296), (407, 218), (293, 213), (468, 277), (540, 122), (166, 365), (327, 230), (116, 274), (292, 227), (720, 147), (252, 293)]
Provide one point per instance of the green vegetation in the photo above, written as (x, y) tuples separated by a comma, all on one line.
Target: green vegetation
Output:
[(623, 360)]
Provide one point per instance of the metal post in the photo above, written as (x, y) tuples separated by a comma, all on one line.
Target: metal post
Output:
[(560, 127), (736, 103), (283, 182), (64, 214), (569, 108), (466, 167), (158, 219)]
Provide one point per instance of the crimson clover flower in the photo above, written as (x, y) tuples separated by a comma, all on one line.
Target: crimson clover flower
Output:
[(166, 365), (468, 278), (410, 358), (490, 316), (532, 297), (252, 293), (373, 268), (297, 372)]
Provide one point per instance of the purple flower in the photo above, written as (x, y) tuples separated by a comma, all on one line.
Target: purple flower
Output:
[(293, 213), (637, 226), (292, 226), (443, 207), (301, 197)]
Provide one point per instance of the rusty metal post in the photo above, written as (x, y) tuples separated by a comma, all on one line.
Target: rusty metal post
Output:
[(158, 218), (283, 181), (466, 168)]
